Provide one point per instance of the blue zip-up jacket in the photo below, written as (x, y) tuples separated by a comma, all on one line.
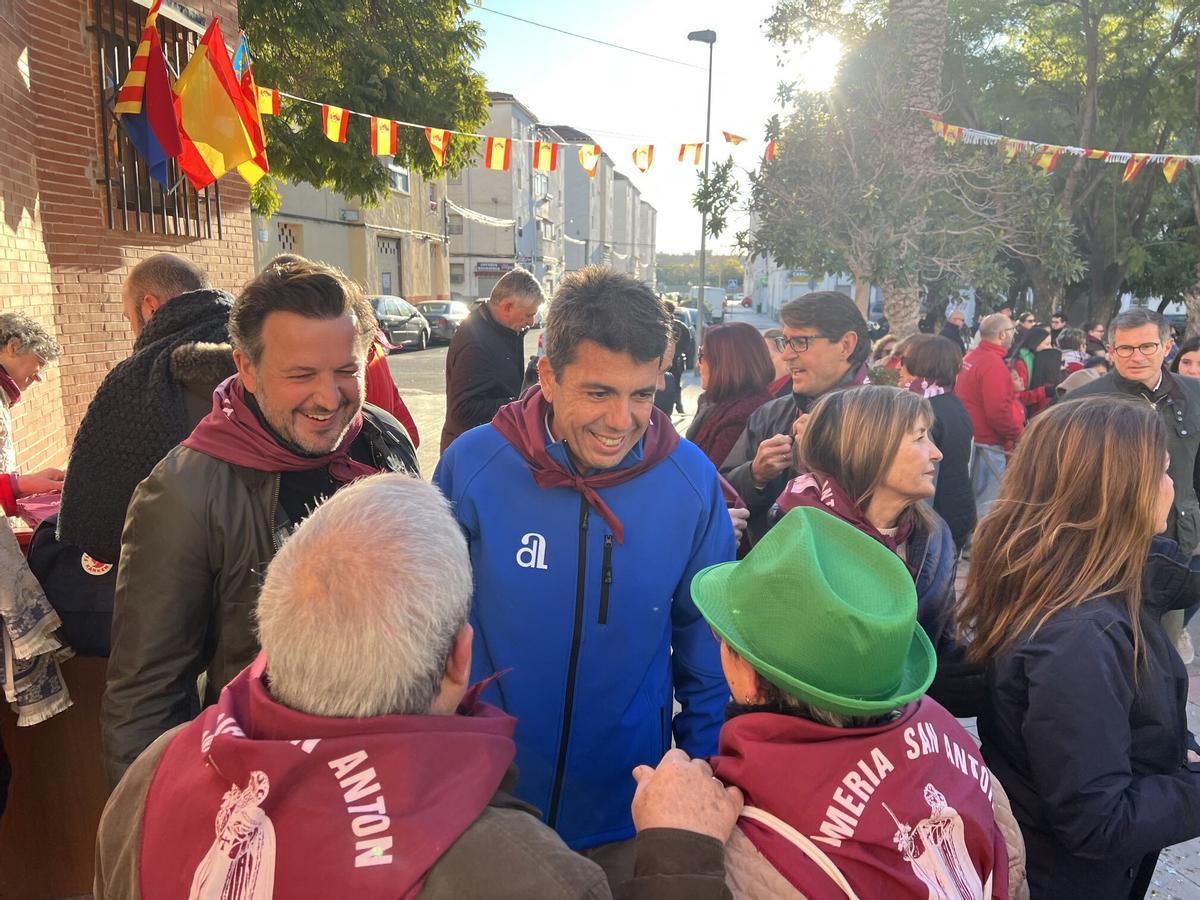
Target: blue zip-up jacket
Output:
[(583, 628)]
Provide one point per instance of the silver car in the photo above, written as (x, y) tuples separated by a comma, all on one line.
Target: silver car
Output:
[(444, 317)]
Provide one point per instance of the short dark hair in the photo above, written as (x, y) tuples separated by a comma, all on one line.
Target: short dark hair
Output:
[(934, 358), (310, 289), (1058, 314), (1191, 345), (1071, 339), (1092, 325), (166, 276), (1094, 362), (516, 283), (1136, 317), (738, 362), (831, 313), (613, 309)]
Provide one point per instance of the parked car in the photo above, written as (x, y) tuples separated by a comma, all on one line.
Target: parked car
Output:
[(444, 317), (401, 322)]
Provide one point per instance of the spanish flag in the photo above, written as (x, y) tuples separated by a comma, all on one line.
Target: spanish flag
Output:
[(214, 123), (772, 150), (496, 153), (952, 134), (1172, 166), (1011, 148), (1135, 165), (643, 157), (268, 101), (589, 158), (690, 150), (145, 103), (731, 138), (439, 143), (545, 156), (333, 122), (383, 137), (1046, 156), (1095, 154)]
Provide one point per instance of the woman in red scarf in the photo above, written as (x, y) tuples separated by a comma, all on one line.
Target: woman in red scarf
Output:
[(735, 371)]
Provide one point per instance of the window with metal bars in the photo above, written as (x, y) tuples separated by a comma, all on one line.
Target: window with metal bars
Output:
[(133, 200)]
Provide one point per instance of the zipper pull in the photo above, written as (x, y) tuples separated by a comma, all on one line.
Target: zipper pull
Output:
[(608, 547)]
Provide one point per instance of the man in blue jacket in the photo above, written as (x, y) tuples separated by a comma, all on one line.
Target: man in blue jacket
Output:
[(587, 516)]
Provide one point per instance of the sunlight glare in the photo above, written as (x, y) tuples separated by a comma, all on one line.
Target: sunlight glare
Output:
[(818, 64)]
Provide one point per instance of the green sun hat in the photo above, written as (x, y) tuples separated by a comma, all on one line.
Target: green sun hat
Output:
[(823, 612)]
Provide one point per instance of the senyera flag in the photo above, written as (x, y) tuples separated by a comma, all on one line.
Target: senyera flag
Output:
[(497, 152), (214, 124), (145, 103), (384, 138), (545, 156)]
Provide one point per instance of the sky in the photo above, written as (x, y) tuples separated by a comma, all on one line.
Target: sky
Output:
[(623, 100)]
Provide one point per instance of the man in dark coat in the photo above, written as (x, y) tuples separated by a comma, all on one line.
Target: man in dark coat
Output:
[(485, 364), (954, 329)]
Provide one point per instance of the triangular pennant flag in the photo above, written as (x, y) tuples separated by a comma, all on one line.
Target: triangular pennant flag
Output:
[(268, 101), (1046, 157), (496, 153), (691, 151), (439, 143), (333, 122), (772, 150), (545, 156), (952, 134), (731, 138), (1172, 166), (1136, 163), (1010, 148), (589, 158), (643, 157), (383, 137), (147, 106), (256, 168), (1095, 154)]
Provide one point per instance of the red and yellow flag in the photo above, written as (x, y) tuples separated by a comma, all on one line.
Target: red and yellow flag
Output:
[(589, 158), (383, 137), (1172, 166), (439, 143), (268, 101), (1095, 154), (952, 134), (731, 138), (691, 151), (1011, 148), (334, 121), (545, 156), (772, 150), (1046, 157), (214, 124), (496, 153), (254, 169), (133, 89), (643, 157), (1136, 163)]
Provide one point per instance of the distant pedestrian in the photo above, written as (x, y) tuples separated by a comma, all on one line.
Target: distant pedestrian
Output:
[(1037, 366), (955, 329), (735, 373), (986, 390), (1058, 322), (1187, 360), (1095, 339), (781, 384), (1071, 343), (485, 364)]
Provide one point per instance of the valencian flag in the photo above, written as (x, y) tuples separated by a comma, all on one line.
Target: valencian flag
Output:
[(1135, 165), (731, 138), (256, 168), (145, 103), (1172, 166), (496, 153), (690, 150), (589, 158), (214, 123), (545, 156), (268, 101), (772, 150), (643, 157), (1046, 156), (333, 122), (383, 137), (439, 143)]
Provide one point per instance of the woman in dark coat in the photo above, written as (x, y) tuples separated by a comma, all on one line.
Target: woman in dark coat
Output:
[(930, 367), (735, 370), (1084, 722)]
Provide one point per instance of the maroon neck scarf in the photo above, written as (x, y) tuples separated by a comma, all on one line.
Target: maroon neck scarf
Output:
[(822, 492), (523, 424), (10, 387), (233, 433), (254, 799)]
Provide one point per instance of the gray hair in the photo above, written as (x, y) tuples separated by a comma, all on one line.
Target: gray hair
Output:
[(516, 284), (165, 276), (360, 608), (32, 335), (1136, 317), (991, 326)]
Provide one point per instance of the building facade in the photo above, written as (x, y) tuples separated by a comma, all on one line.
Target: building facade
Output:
[(647, 259), (588, 214), (626, 223)]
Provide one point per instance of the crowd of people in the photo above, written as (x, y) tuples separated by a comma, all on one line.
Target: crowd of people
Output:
[(595, 657)]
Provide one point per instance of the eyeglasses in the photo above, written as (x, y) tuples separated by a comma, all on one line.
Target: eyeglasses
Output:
[(1126, 350), (798, 344)]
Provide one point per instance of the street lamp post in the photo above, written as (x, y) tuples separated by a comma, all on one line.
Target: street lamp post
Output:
[(710, 38)]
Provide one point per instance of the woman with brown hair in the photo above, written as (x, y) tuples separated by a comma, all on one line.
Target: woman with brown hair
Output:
[(734, 373), (1084, 720)]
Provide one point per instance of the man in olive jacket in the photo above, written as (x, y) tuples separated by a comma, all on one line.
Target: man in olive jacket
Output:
[(485, 365), (364, 766), (287, 431)]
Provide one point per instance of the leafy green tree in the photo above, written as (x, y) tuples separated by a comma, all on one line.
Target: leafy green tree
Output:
[(409, 60)]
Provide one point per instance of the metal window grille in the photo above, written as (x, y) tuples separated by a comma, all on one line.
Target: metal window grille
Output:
[(135, 201)]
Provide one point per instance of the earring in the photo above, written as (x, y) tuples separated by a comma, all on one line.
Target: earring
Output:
[(749, 700)]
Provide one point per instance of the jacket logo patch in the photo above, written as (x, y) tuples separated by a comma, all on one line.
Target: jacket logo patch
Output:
[(532, 554), (94, 566)]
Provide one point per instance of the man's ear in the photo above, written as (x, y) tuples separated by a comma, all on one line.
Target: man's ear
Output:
[(546, 378), (245, 369), (458, 663), (849, 343)]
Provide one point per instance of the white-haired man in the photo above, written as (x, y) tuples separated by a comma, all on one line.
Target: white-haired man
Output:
[(352, 756)]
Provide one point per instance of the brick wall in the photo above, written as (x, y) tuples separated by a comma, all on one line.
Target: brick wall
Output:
[(59, 261)]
